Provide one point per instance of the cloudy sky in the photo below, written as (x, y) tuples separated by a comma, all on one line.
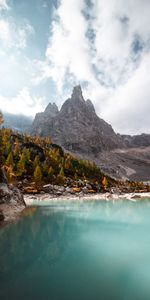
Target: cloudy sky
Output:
[(48, 46)]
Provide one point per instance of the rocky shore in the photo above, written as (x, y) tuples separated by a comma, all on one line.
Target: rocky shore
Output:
[(47, 199), (11, 203)]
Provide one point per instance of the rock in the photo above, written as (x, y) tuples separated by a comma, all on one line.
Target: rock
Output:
[(80, 183), (85, 190), (76, 127), (76, 189), (11, 202), (58, 188), (30, 190), (5, 193), (69, 190), (88, 186), (91, 191), (48, 188), (17, 195)]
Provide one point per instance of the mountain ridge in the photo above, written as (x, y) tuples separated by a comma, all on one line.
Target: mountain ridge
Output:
[(77, 127)]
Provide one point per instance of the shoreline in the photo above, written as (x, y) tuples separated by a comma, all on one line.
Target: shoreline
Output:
[(47, 199), (13, 212)]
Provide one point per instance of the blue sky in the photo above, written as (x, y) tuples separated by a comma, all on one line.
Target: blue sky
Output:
[(48, 46)]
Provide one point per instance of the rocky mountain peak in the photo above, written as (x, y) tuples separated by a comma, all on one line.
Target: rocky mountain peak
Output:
[(90, 105), (76, 127), (51, 110), (77, 94)]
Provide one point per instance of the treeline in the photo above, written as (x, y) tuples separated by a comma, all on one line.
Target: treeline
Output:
[(38, 161)]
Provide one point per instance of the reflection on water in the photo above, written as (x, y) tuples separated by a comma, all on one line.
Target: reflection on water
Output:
[(96, 250)]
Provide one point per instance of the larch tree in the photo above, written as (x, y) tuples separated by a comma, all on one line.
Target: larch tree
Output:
[(38, 177)]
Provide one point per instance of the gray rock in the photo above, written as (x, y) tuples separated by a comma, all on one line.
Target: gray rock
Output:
[(85, 190), (69, 190), (88, 186), (10, 193), (5, 193), (76, 127), (48, 188)]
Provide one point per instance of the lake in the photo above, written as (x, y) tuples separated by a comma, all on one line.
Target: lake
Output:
[(96, 250)]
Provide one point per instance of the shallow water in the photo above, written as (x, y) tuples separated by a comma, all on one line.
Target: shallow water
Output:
[(95, 250)]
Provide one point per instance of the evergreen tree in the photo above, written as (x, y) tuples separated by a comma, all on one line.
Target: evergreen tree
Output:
[(9, 160), (1, 118), (38, 177), (21, 165)]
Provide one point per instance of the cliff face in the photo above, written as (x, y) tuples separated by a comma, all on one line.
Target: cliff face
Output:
[(76, 126)]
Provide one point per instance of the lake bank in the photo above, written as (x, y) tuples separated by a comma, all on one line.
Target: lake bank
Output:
[(45, 199), (13, 211)]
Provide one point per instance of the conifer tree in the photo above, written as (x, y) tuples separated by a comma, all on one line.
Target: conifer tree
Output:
[(36, 162), (21, 165), (9, 160), (38, 177)]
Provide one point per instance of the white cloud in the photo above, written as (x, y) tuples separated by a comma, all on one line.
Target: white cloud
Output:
[(23, 103), (4, 5), (129, 106), (12, 36), (105, 47), (68, 48), (113, 62)]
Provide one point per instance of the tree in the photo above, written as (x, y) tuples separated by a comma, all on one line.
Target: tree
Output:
[(36, 162), (21, 165), (105, 183), (9, 160), (1, 118), (38, 177)]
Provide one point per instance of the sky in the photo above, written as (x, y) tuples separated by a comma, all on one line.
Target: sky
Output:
[(49, 46)]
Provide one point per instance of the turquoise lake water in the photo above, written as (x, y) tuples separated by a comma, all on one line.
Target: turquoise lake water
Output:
[(97, 251)]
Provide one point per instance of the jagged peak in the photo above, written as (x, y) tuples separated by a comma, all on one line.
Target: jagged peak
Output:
[(77, 94), (51, 109), (90, 105)]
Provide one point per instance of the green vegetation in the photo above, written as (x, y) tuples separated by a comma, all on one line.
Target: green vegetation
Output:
[(34, 161)]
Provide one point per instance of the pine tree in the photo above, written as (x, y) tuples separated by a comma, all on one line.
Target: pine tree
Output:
[(9, 160), (36, 162), (38, 177), (50, 174), (21, 165), (1, 118)]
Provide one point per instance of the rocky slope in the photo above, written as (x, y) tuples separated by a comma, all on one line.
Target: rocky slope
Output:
[(76, 127), (141, 140), (11, 200)]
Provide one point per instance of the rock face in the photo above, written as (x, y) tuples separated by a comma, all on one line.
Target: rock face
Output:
[(76, 127), (142, 140), (11, 200), (9, 193)]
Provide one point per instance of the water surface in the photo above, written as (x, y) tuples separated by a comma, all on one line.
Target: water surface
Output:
[(95, 250)]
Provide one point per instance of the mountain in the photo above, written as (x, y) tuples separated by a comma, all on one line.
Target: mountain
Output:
[(19, 123), (141, 140), (76, 127)]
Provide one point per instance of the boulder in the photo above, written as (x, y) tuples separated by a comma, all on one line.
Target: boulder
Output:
[(8, 193)]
